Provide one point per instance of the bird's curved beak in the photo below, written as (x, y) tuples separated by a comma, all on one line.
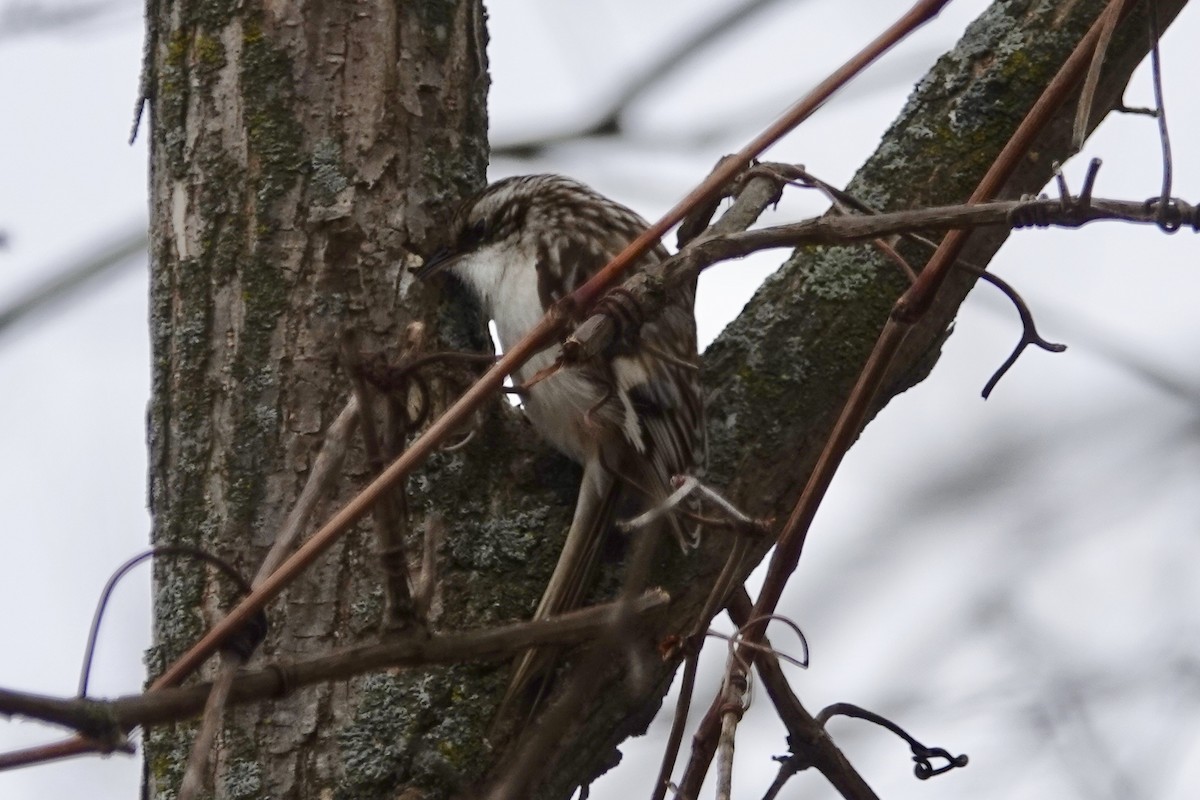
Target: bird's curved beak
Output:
[(440, 260)]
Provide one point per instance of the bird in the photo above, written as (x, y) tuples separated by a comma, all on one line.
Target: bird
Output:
[(633, 416)]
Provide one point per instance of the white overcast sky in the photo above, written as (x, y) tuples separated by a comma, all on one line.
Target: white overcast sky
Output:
[(1015, 579)]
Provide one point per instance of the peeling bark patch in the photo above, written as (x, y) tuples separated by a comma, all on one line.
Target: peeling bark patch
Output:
[(179, 216), (328, 177)]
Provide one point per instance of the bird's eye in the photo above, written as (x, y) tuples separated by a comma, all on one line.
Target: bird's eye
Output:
[(474, 234)]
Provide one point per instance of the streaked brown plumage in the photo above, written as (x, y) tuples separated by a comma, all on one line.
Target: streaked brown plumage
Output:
[(632, 418)]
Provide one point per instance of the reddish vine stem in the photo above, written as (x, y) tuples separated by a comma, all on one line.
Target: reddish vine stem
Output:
[(729, 168), (687, 687), (908, 309)]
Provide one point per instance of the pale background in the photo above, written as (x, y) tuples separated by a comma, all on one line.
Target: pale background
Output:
[(1012, 579)]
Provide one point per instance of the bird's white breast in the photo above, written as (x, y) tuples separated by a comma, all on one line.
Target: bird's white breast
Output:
[(507, 286)]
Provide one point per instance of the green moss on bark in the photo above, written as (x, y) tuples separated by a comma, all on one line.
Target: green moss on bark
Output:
[(275, 135)]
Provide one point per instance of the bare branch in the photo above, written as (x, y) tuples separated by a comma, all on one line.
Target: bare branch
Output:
[(26, 17), (687, 687), (647, 289), (66, 280), (608, 121), (1165, 220), (732, 708), (389, 516), (921, 753), (1087, 97), (172, 705)]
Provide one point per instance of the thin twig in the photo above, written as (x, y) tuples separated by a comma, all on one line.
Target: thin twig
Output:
[(192, 783), (1029, 332), (687, 687), (173, 550), (1087, 96), (426, 583), (389, 521), (725, 582), (540, 742), (921, 753), (1166, 223), (326, 469), (733, 707), (807, 740), (788, 766), (842, 201)]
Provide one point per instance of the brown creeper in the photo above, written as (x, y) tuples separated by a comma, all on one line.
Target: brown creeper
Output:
[(633, 418)]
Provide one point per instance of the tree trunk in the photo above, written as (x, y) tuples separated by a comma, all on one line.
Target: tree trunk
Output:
[(299, 156), (300, 153)]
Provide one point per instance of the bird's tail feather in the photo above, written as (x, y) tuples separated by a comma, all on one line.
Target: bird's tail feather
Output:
[(599, 498)]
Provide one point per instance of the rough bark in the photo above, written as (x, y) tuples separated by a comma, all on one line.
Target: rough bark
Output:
[(299, 155)]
